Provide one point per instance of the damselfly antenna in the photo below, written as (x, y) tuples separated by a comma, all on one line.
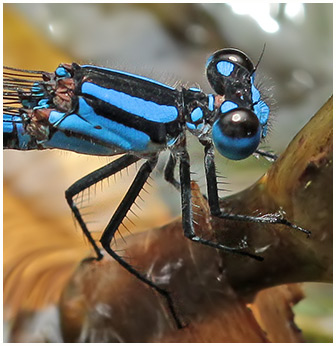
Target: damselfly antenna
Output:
[(261, 55)]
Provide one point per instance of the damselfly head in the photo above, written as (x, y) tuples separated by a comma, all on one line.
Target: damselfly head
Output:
[(242, 115), (227, 66)]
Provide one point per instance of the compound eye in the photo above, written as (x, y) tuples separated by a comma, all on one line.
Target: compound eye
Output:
[(227, 63), (236, 133), (236, 57)]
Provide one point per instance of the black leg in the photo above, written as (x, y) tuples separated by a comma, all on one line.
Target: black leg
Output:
[(90, 180), (169, 172), (270, 156), (210, 172), (117, 219), (187, 217)]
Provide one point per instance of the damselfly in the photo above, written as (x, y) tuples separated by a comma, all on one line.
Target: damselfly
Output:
[(100, 111)]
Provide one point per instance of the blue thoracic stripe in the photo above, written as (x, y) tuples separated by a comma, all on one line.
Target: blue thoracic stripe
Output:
[(148, 110), (130, 75), (103, 129), (225, 68)]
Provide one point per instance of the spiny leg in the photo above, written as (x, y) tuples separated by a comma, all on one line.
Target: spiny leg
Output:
[(109, 232), (187, 217), (90, 180), (210, 172)]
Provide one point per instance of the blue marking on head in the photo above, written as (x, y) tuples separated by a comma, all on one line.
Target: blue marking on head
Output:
[(211, 102), (131, 75), (196, 114), (62, 72), (100, 128), (148, 110), (225, 68), (234, 148), (228, 106)]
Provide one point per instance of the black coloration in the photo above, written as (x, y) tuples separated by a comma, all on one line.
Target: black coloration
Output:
[(239, 123)]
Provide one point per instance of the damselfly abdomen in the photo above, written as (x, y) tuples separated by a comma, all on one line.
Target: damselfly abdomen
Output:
[(99, 111)]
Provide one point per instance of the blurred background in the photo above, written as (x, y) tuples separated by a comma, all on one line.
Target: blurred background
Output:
[(170, 43)]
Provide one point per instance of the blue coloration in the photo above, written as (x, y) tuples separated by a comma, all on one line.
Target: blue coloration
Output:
[(264, 131), (234, 148), (225, 68), (228, 106), (62, 72), (196, 114), (260, 108), (262, 111), (8, 120), (131, 75), (148, 110), (36, 89), (43, 103), (211, 102), (255, 94), (99, 128), (61, 141), (191, 126), (194, 89)]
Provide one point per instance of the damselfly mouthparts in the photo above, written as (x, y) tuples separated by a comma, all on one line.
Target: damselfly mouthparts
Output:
[(100, 111)]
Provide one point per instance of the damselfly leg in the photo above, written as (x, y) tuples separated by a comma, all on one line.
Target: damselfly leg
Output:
[(119, 215), (213, 198), (267, 154), (169, 172), (92, 179)]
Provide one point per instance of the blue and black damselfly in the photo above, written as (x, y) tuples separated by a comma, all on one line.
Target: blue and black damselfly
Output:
[(100, 111)]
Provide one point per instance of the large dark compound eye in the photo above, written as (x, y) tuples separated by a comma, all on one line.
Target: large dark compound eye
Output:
[(227, 63), (236, 133)]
